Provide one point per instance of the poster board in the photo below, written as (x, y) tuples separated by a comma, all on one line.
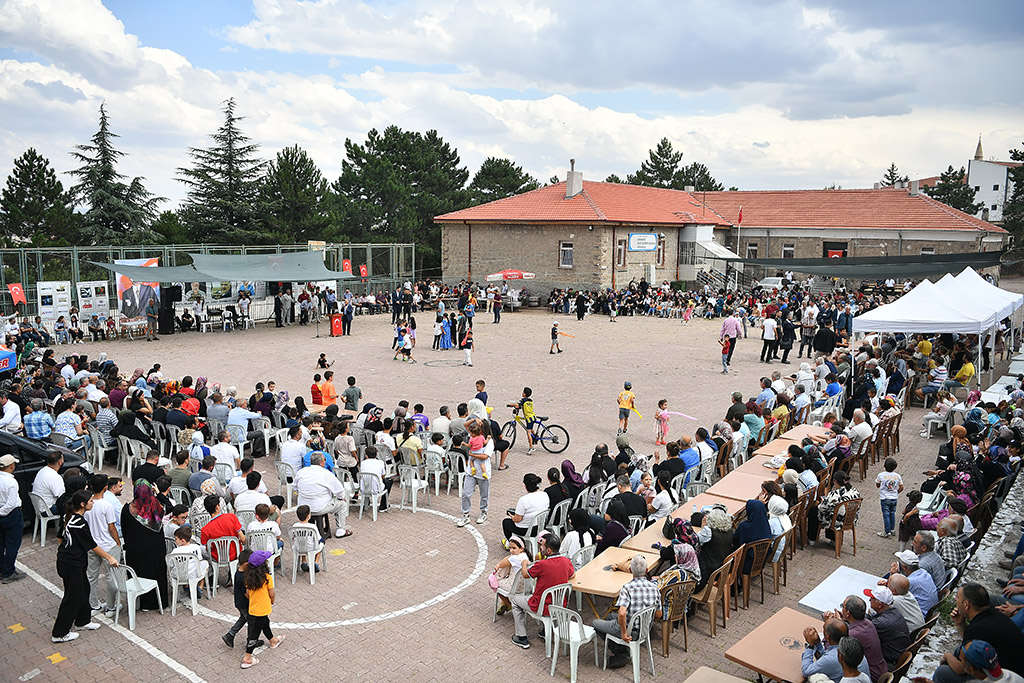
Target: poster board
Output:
[(54, 298), (133, 297), (93, 299), (257, 289)]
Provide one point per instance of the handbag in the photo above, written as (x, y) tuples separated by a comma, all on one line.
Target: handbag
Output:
[(492, 581)]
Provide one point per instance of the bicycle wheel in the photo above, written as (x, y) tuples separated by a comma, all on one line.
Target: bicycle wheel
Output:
[(508, 432), (553, 438)]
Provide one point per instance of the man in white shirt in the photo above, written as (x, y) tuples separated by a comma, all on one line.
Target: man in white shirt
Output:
[(102, 521), (94, 390), (256, 494), (323, 493), (11, 521), (225, 452), (801, 399), (777, 383), (238, 486), (293, 449), (858, 431), (48, 484), (442, 423), (769, 337), (240, 416), (10, 414)]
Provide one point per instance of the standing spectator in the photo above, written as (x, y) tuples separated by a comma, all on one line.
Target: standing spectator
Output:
[(102, 521), (890, 486), (11, 520)]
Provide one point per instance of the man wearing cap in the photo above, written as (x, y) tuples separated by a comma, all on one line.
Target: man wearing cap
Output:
[(976, 618), (738, 408), (821, 657), (921, 585), (981, 661), (889, 623), (11, 521), (904, 601)]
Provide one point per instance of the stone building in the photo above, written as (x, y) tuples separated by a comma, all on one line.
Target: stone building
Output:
[(593, 234)]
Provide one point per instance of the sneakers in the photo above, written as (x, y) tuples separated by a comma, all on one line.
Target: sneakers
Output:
[(110, 614), (74, 636), (560, 350), (531, 450), (883, 534), (11, 578), (521, 641), (482, 518), (101, 608), (462, 522), (228, 639), (91, 626)]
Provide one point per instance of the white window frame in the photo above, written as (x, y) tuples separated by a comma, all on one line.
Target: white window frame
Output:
[(659, 259), (751, 251), (564, 249), (927, 251), (620, 253), (788, 247)]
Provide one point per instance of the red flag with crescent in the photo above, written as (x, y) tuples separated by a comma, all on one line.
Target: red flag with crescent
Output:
[(362, 270), (17, 293), (346, 266)]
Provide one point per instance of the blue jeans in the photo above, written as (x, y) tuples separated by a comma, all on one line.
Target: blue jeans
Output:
[(77, 443), (889, 515), (725, 363), (11, 531)]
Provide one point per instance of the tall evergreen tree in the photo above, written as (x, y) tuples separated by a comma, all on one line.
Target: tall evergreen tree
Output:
[(660, 168), (293, 198), (696, 175), (500, 178), (34, 208), (169, 229), (953, 190), (223, 185), (892, 176), (117, 212), (1013, 209), (613, 178), (392, 186)]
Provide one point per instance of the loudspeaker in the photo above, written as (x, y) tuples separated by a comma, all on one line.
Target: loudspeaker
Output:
[(165, 320), (171, 294)]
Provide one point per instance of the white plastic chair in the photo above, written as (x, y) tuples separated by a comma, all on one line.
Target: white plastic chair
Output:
[(179, 568), (238, 439), (197, 521), (582, 556), (245, 517), (558, 518), (224, 473), (455, 460), (642, 621), (559, 596), (306, 543), (434, 468), (636, 524), (223, 547), (409, 480), (182, 495), (160, 436), (537, 524), (284, 473), (569, 630), (43, 519), (173, 432), (519, 587), (128, 583), (369, 482), (263, 540)]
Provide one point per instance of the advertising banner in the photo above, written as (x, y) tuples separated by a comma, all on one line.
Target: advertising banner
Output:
[(133, 297), (54, 298), (92, 299)]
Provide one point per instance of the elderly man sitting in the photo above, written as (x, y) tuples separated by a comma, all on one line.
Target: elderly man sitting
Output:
[(821, 657), (635, 596), (921, 585), (889, 623), (323, 493)]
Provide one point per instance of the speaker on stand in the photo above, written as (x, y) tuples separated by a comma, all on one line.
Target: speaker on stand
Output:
[(165, 320)]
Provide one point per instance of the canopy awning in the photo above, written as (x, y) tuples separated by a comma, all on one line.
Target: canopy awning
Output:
[(299, 266)]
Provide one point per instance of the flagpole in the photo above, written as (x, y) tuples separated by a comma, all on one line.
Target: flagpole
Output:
[(739, 225)]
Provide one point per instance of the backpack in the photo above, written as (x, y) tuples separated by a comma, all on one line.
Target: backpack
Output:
[(675, 529)]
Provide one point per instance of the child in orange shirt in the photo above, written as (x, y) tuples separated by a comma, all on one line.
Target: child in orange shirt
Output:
[(259, 586)]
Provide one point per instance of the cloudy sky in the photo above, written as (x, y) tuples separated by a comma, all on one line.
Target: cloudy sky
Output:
[(768, 94)]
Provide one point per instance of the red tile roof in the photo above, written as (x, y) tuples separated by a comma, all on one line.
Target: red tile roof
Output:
[(597, 203), (886, 208)]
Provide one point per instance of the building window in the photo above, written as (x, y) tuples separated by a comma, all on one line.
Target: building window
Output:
[(995, 206), (751, 249), (687, 253), (620, 254), (788, 250), (996, 186), (927, 251), (565, 254), (977, 188), (660, 257)]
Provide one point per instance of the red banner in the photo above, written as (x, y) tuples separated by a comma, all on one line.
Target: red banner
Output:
[(346, 266), (17, 293), (835, 253), (336, 325), (362, 270)]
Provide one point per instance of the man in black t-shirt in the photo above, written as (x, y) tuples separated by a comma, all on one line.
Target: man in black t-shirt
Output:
[(976, 618), (738, 408), (635, 505), (148, 470)]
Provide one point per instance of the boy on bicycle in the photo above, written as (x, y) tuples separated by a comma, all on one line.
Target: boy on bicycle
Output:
[(525, 406)]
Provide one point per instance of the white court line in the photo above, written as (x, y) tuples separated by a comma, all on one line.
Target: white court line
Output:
[(478, 570), (130, 636)]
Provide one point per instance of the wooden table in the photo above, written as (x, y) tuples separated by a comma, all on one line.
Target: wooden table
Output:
[(800, 431), (593, 579), (315, 409), (830, 593), (773, 649), (706, 674), (652, 534), (775, 447), (739, 486), (756, 467)]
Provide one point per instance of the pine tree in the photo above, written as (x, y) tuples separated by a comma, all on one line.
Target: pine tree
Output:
[(892, 176), (953, 190), (223, 185), (500, 178), (34, 209), (660, 168), (696, 175), (117, 212), (1013, 209), (293, 198), (614, 179), (169, 229)]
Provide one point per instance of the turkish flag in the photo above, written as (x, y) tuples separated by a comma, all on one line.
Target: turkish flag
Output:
[(346, 266), (835, 253), (17, 293), (362, 270)]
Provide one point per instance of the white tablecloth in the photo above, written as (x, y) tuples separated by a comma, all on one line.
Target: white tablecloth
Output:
[(830, 593)]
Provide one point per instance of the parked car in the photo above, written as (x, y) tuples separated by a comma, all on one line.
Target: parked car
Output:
[(31, 455), (770, 283)]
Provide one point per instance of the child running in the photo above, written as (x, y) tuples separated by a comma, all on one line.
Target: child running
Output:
[(554, 338), (627, 403), (259, 588), (241, 600)]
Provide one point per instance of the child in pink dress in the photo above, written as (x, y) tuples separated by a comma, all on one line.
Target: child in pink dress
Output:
[(661, 423), (688, 313)]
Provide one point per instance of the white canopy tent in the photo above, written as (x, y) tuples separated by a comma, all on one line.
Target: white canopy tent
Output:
[(969, 280)]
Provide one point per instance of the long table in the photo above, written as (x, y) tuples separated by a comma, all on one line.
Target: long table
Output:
[(596, 577), (652, 534), (800, 431), (773, 649), (705, 674), (757, 466), (777, 446), (738, 486)]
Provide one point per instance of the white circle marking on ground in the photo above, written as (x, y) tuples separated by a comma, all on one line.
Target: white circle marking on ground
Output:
[(478, 570)]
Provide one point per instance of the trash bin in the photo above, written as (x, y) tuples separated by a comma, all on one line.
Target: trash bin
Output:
[(336, 325)]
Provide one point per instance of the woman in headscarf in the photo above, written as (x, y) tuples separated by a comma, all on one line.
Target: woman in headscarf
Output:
[(127, 427), (209, 487), (678, 563), (140, 384), (754, 528), (779, 521), (135, 376), (805, 376), (201, 388), (477, 409), (143, 533), (625, 454), (26, 352), (974, 423), (573, 481), (715, 543), (198, 450)]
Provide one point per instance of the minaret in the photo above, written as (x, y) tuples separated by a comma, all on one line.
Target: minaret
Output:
[(978, 154)]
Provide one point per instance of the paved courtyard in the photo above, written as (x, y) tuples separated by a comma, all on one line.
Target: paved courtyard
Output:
[(406, 598)]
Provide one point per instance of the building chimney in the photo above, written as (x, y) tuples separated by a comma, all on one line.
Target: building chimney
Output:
[(689, 188), (878, 186), (914, 186), (573, 180)]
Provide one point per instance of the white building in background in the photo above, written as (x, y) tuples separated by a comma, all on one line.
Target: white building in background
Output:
[(991, 183)]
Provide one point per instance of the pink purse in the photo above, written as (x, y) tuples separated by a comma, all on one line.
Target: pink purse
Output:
[(492, 581)]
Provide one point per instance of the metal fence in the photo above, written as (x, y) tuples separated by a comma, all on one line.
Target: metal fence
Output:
[(387, 265)]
